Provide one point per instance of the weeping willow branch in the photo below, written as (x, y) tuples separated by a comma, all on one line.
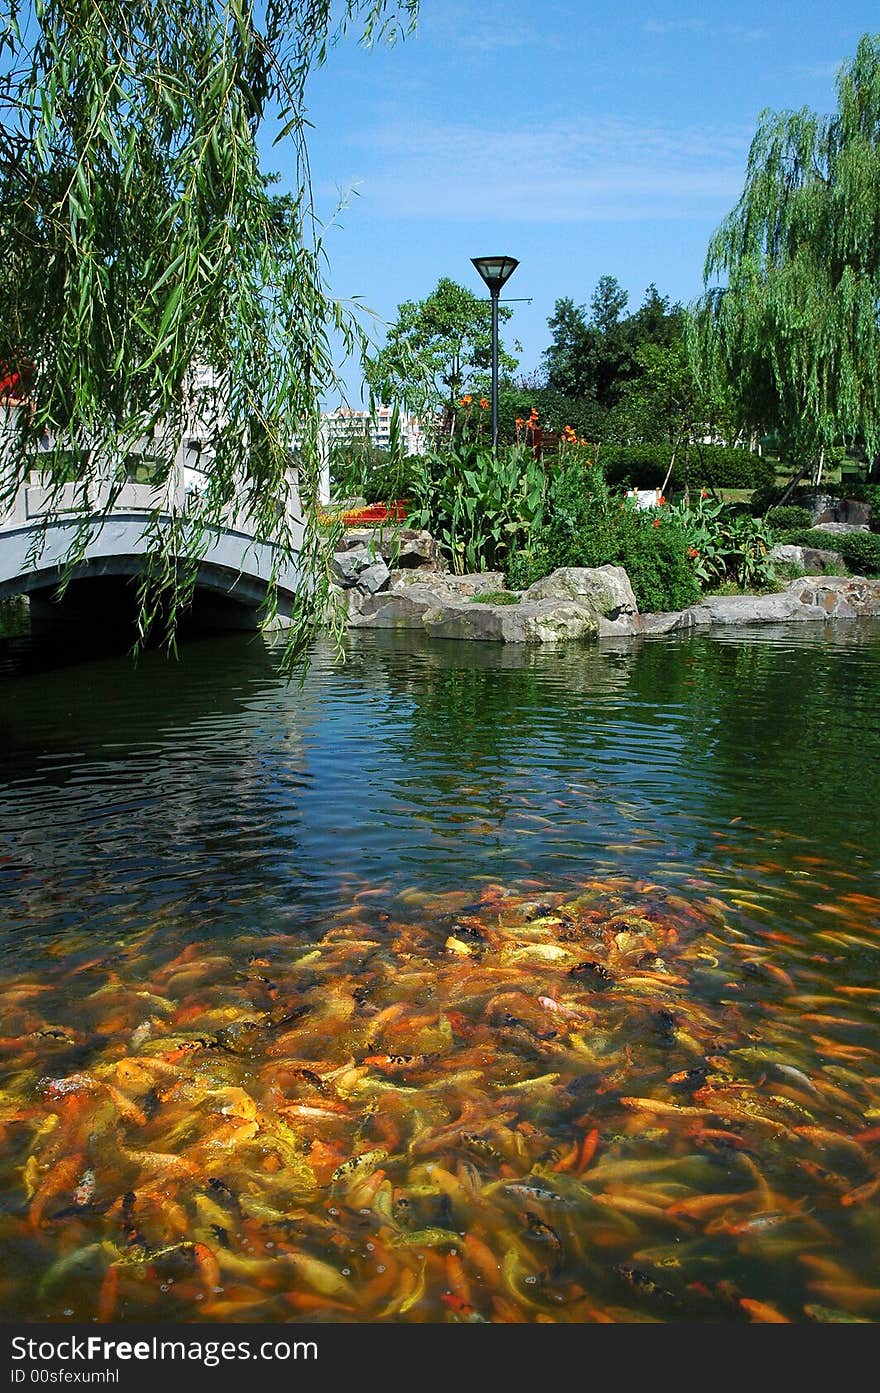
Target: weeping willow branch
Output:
[(793, 334), (157, 280)]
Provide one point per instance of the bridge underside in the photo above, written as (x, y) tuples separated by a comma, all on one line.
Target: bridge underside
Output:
[(109, 601), (101, 590)]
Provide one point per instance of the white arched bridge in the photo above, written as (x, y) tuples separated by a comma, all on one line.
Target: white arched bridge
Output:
[(112, 539)]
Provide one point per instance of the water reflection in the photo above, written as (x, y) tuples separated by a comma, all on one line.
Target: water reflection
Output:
[(233, 905)]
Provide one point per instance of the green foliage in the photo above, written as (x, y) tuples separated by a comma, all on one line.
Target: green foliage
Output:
[(657, 563), (665, 401), (860, 550), (786, 518), (586, 417), (711, 466), (495, 597), (479, 508), (14, 617), (593, 355), (377, 476), (155, 280), (792, 333), (725, 544), (437, 349), (586, 525), (392, 478), (765, 497)]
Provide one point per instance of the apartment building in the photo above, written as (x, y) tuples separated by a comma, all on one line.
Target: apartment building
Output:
[(345, 424)]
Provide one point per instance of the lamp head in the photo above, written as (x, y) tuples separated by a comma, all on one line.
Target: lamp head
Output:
[(495, 270)]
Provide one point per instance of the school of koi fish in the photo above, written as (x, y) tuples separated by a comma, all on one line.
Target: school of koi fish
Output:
[(628, 1103)]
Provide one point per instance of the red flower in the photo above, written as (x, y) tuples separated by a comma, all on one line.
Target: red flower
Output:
[(484, 403), (656, 522)]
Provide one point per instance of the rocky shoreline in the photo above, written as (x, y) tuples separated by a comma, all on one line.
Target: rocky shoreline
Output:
[(397, 581)]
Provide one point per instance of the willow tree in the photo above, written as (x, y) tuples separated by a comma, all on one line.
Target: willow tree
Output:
[(791, 337), (149, 277)]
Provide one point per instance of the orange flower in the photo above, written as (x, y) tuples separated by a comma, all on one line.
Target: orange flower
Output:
[(661, 501), (484, 403), (519, 422), (693, 553), (656, 522), (466, 400)]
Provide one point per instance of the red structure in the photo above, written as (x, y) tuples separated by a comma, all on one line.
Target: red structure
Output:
[(15, 383), (376, 512)]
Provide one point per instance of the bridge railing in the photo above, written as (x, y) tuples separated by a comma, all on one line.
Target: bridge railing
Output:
[(37, 497)]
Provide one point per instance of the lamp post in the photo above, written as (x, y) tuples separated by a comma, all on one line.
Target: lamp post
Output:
[(495, 270)]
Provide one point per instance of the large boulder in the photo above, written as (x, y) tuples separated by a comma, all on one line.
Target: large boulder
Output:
[(852, 512), (530, 621), (390, 609), (839, 527), (838, 597), (604, 589), (750, 609), (405, 548), (806, 558), (413, 551)]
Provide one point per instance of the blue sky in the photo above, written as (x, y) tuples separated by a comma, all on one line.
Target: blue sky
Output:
[(583, 138)]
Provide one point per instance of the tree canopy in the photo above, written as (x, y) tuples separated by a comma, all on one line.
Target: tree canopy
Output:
[(154, 275), (594, 355), (792, 333), (438, 348)]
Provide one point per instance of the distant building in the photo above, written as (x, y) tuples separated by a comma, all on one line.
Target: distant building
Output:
[(345, 425)]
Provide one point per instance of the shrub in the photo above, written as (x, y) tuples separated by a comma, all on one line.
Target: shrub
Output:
[(585, 525), (786, 518), (657, 563), (860, 550), (711, 466)]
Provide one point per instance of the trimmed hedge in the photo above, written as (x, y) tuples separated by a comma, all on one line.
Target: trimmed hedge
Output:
[(788, 518), (711, 466), (860, 550)]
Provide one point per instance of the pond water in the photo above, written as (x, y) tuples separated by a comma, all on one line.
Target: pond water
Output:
[(460, 983)]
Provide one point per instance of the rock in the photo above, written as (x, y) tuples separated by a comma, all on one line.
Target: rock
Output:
[(416, 551), (373, 578), (390, 609), (348, 565), (531, 621), (838, 597), (446, 584), (407, 548), (839, 527), (806, 558), (751, 609), (851, 511), (360, 568), (605, 589), (634, 625)]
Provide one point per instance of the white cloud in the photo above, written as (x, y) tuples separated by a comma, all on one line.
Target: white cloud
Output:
[(746, 33), (489, 29), (564, 172)]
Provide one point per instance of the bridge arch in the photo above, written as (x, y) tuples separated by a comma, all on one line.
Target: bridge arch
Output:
[(232, 579)]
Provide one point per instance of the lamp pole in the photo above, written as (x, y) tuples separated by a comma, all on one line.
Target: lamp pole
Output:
[(495, 271)]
